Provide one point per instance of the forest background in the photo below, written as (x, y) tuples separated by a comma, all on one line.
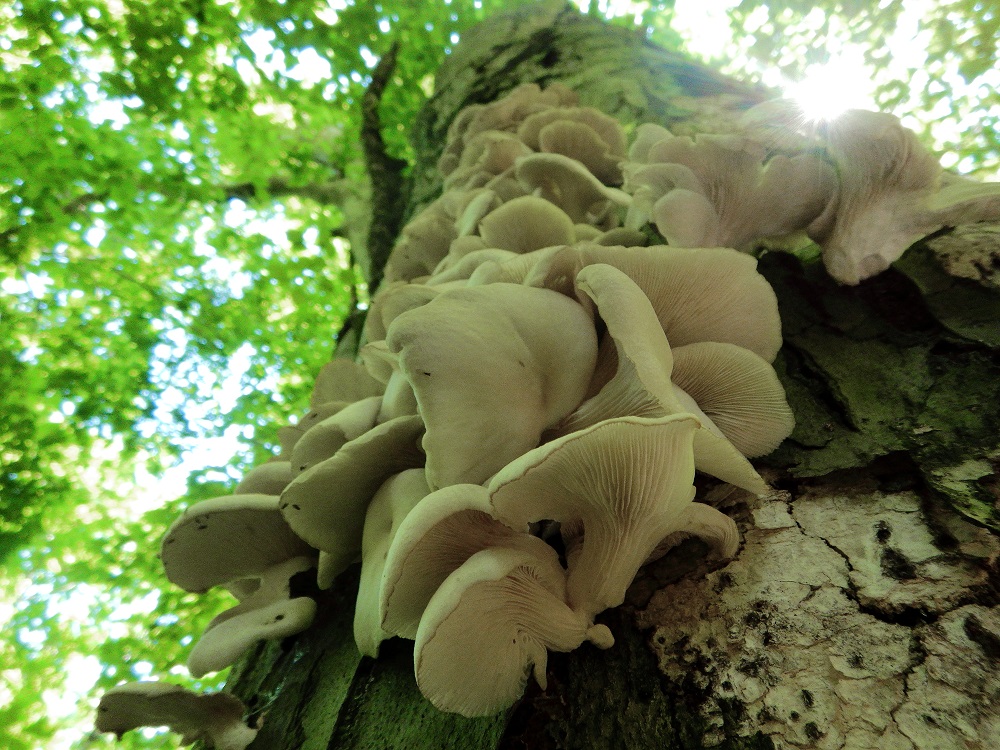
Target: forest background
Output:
[(181, 197)]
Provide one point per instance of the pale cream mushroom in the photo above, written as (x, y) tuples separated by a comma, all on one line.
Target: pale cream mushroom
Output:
[(326, 504), (737, 391), (227, 539), (391, 505), (326, 437), (701, 294), (215, 718), (443, 531), (628, 482), (491, 624), (392, 300), (492, 368), (740, 196), (526, 224), (267, 611), (270, 478), (633, 375), (398, 399), (569, 185), (890, 196)]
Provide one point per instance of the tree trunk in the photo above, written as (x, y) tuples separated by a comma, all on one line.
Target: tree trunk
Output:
[(862, 608)]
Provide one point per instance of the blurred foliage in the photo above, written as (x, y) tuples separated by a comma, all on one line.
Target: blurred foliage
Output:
[(177, 193)]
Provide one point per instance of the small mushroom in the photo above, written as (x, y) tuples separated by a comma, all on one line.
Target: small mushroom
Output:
[(270, 478), (223, 644), (491, 624), (738, 392), (266, 611), (633, 376), (226, 539), (215, 718), (326, 504), (526, 224), (326, 437), (890, 196), (568, 184), (443, 531)]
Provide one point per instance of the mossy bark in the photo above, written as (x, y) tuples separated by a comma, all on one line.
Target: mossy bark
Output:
[(861, 611)]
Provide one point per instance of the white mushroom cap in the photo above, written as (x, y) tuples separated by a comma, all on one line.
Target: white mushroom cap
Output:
[(890, 196), (628, 481), (270, 590), (216, 718), (328, 436), (491, 624), (526, 224), (633, 375), (443, 531), (226, 539), (391, 300), (342, 380), (289, 435), (392, 503), (223, 644), (569, 185), (270, 478), (326, 504), (492, 367), (701, 294)]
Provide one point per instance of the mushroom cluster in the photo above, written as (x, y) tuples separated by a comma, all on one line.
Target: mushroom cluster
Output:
[(539, 387), (539, 369)]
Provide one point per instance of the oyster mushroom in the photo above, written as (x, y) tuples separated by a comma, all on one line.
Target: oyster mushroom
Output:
[(215, 718), (492, 368), (491, 624), (627, 481)]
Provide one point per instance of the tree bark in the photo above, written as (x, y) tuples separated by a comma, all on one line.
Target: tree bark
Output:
[(862, 608)]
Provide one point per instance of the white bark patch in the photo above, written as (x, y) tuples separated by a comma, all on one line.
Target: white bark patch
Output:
[(848, 620)]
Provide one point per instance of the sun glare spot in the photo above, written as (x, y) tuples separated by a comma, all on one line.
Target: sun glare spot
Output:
[(831, 89)]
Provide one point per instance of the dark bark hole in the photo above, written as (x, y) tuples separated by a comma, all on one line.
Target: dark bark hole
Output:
[(987, 641), (812, 731), (882, 532), (551, 58), (897, 567), (807, 699)]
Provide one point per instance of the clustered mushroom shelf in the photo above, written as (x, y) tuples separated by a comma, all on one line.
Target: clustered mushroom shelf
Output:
[(539, 377)]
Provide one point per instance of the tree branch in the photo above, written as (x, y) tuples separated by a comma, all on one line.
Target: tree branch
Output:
[(385, 171)]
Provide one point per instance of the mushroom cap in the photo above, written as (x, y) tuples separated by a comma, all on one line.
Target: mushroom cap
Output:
[(633, 375), (701, 294), (213, 717), (568, 184), (343, 380), (628, 481), (490, 625), (225, 539), (886, 177), (492, 367), (326, 437), (270, 478), (326, 504), (223, 644), (526, 224), (392, 503), (442, 532)]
